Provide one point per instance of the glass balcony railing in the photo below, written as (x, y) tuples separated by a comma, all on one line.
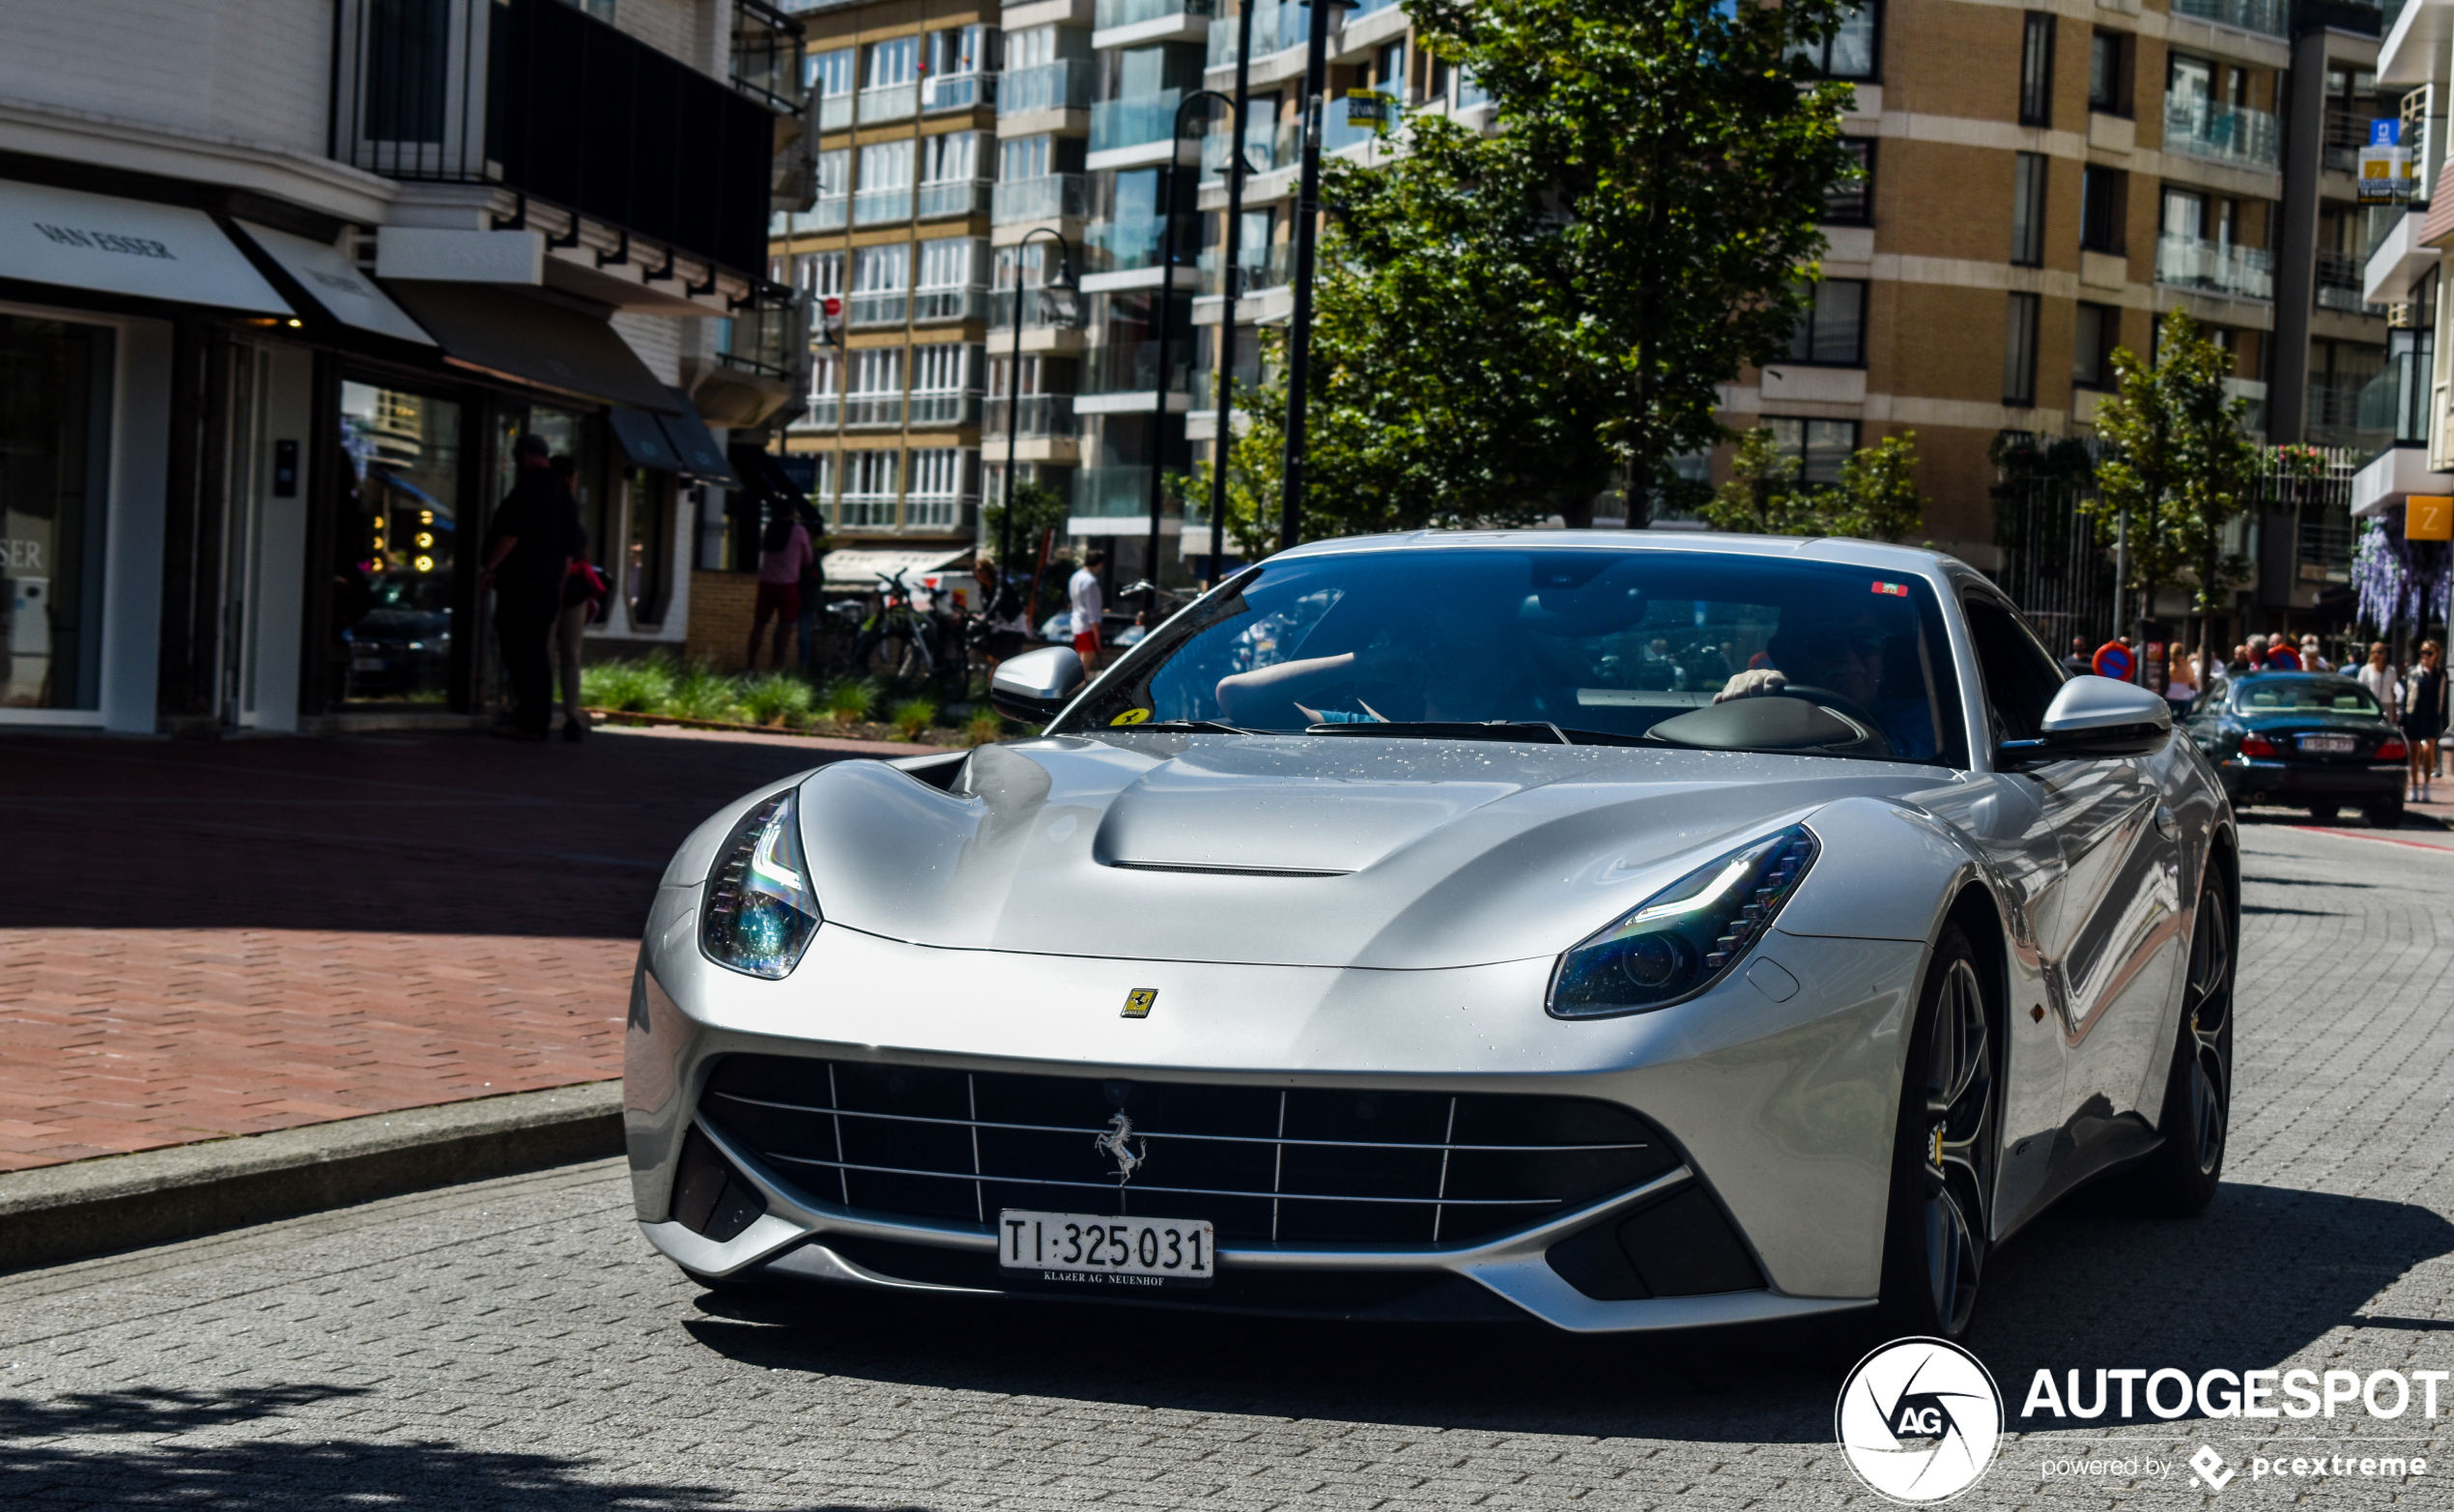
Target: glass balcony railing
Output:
[(877, 309), (1262, 268), (1137, 122), (893, 103), (2195, 262), (939, 306), (1337, 133), (1266, 151), (1043, 416), (825, 414), (2345, 134), (1049, 197), (878, 206), (2226, 133), (1040, 310), (2250, 16), (834, 113), (1116, 494), (865, 512), (957, 198), (937, 511), (1062, 85), (874, 411), (2340, 280), (1277, 26), (958, 92), (1131, 367), (832, 211), (1112, 13), (945, 409)]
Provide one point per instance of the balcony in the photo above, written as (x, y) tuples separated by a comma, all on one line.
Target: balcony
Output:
[(1062, 85), (1040, 311), (943, 306), (1041, 417), (942, 412), (877, 309), (1113, 13), (832, 211), (937, 511), (491, 92), (953, 197), (2250, 16), (2219, 267), (770, 338), (1138, 121), (2345, 134), (1283, 149), (835, 112), (874, 411), (1131, 367), (958, 91), (766, 56), (865, 512), (1050, 197), (1276, 27), (2221, 134), (1264, 268), (1116, 494), (882, 206), (2338, 280), (893, 103)]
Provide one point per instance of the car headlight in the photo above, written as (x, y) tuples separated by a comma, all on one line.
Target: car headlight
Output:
[(759, 911), (1686, 937)]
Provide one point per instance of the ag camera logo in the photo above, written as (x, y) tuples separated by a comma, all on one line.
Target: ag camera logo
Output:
[(1918, 1420)]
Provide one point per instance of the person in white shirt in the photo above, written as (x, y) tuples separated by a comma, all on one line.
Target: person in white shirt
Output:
[(2384, 683), (1089, 603)]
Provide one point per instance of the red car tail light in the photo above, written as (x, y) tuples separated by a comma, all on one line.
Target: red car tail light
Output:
[(2257, 745), (2392, 748)]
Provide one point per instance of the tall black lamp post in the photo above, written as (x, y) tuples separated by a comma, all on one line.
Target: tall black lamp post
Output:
[(1316, 88), (1231, 275), (1063, 290), (1166, 323)]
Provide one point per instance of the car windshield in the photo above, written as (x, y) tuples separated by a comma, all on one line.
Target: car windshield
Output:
[(2303, 695), (1676, 648)]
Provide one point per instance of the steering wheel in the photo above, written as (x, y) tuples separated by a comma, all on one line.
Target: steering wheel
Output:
[(1840, 704)]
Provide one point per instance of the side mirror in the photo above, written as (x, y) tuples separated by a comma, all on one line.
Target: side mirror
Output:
[(2094, 717), (1036, 686)]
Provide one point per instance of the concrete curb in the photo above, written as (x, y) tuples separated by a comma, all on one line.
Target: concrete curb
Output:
[(85, 1207)]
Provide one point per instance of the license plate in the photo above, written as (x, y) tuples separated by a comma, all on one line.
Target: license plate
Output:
[(1094, 1249), (2326, 745)]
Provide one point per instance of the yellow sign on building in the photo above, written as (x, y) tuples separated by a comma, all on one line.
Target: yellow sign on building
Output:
[(2428, 517)]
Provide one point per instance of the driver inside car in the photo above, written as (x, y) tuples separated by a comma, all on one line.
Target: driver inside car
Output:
[(1842, 653)]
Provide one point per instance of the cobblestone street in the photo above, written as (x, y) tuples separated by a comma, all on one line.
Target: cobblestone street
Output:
[(517, 1344)]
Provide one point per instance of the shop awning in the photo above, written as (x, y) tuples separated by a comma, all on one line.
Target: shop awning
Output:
[(694, 444), (860, 567), (642, 440), (334, 282), (531, 341), (80, 241)]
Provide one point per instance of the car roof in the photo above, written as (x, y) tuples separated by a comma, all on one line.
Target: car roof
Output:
[(1840, 549)]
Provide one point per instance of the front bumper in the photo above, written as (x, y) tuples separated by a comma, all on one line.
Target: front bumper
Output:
[(2249, 781), (1783, 1110)]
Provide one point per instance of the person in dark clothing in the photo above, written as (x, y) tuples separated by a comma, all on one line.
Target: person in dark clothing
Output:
[(2078, 662), (529, 551)]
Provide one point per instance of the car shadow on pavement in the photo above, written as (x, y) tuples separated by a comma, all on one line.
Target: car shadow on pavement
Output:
[(255, 1447), (2260, 1275)]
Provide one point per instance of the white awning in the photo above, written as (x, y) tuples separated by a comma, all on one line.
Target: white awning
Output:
[(860, 567), (336, 284), (82, 240)]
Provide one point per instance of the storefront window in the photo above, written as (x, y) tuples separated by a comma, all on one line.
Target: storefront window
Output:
[(580, 437), (55, 380), (397, 542), (647, 557)]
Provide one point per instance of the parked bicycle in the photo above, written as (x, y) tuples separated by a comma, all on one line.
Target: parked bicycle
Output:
[(896, 640)]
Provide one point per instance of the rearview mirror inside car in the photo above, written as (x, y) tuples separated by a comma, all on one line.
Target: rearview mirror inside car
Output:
[(2094, 717), (1036, 686)]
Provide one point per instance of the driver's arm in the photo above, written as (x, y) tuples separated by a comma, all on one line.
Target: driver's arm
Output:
[(1285, 688)]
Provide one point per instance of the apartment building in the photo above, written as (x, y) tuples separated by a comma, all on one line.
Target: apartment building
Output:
[(282, 280), (893, 257)]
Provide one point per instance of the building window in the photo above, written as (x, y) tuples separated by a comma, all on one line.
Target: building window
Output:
[(2019, 350), (819, 274), (881, 281), (942, 476), (55, 436), (959, 50), (2095, 331), (1833, 333), (2109, 73), (1819, 445), (2028, 209), (949, 156), (2102, 195), (2036, 71), (1851, 51), (1388, 72), (885, 193), (945, 385), (830, 74), (893, 63), (954, 263), (870, 479), (1850, 202)]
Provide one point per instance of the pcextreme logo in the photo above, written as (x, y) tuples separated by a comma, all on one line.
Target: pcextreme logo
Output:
[(1918, 1420)]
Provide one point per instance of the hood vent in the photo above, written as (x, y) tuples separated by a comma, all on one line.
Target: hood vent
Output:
[(1202, 871)]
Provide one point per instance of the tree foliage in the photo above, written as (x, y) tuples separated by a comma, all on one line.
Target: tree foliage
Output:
[(1037, 509), (1510, 324), (1875, 499), (1253, 480)]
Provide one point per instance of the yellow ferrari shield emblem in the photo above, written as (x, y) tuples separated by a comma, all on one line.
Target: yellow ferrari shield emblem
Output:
[(1137, 1003)]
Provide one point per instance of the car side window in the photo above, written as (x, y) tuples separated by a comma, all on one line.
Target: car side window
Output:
[(2020, 677)]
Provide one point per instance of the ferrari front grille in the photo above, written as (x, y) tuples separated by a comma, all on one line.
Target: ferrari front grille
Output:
[(1297, 1164)]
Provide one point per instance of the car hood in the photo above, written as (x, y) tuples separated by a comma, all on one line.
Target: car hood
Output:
[(1292, 850)]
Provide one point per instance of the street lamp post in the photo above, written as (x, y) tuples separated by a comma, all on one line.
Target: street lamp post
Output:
[(1166, 308), (1315, 76), (1062, 285), (1230, 284)]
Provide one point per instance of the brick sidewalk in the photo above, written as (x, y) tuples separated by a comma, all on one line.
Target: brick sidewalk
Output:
[(207, 939)]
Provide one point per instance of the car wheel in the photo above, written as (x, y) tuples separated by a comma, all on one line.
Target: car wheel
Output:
[(2180, 1179), (2386, 815), (1938, 1231), (2323, 813)]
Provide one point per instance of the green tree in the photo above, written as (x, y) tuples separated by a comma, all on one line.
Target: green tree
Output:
[(2180, 467), (1253, 479), (1874, 499), (1510, 323), (1037, 509)]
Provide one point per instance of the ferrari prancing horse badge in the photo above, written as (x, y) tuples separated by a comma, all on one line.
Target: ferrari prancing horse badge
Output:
[(1137, 1003)]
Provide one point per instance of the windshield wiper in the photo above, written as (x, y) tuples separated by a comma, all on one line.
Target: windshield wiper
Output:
[(1453, 729)]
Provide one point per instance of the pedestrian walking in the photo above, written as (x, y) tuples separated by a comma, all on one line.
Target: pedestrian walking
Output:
[(2180, 684), (1090, 602), (531, 545), (2424, 717), (2240, 665), (783, 550), (583, 594), (813, 590), (1001, 606), (2311, 660), (2384, 683)]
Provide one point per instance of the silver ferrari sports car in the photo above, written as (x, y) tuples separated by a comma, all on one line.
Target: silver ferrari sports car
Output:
[(1625, 931)]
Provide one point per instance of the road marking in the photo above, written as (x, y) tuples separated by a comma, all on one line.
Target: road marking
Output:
[(2383, 839)]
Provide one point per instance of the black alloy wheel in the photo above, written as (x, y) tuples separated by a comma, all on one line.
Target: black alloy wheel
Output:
[(1944, 1156), (2181, 1178)]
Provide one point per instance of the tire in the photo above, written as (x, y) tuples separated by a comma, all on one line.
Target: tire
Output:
[(2181, 1176), (2324, 814), (1944, 1151)]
